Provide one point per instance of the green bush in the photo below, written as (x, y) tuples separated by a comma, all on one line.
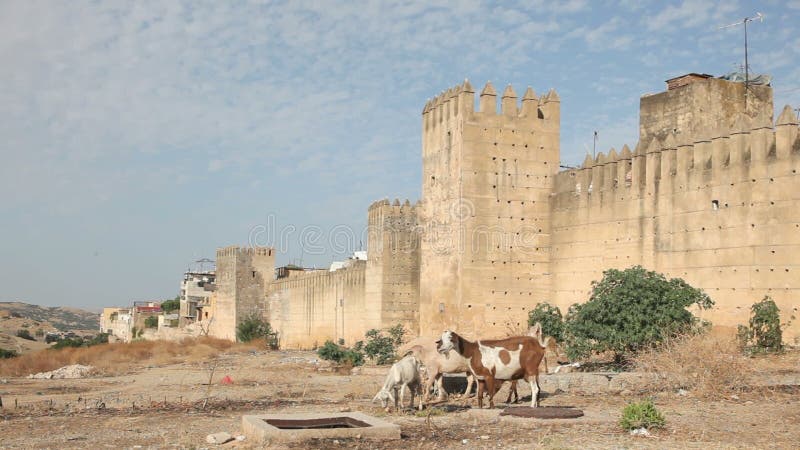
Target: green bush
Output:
[(397, 333), (25, 334), (171, 305), (4, 354), (643, 414), (764, 333), (151, 322), (379, 347), (550, 318), (69, 342), (253, 327), (630, 310), (341, 355), (101, 338)]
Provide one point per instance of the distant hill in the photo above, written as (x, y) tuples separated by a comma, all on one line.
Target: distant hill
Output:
[(60, 317)]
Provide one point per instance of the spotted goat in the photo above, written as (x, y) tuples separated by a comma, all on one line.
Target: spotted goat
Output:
[(513, 358)]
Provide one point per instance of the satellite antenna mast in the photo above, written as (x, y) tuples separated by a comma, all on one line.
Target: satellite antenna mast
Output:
[(759, 17)]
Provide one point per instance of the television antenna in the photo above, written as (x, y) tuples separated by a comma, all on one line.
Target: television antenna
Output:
[(759, 17)]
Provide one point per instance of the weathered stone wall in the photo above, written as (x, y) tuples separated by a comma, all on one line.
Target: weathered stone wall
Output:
[(721, 212), (392, 274), (311, 308), (700, 109), (487, 177), (243, 275)]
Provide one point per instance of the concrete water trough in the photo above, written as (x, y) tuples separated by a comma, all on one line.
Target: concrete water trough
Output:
[(270, 428)]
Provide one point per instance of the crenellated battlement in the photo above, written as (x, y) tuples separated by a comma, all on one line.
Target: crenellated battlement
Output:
[(393, 208), (458, 102), (747, 144), (235, 250)]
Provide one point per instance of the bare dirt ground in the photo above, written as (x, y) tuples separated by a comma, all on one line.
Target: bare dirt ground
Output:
[(174, 406)]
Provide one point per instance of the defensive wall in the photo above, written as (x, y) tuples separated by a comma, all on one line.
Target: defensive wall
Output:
[(709, 194), (316, 306), (311, 307)]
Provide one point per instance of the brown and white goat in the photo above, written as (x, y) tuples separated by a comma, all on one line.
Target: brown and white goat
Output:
[(512, 358)]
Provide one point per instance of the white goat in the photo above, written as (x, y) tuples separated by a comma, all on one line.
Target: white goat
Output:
[(402, 374)]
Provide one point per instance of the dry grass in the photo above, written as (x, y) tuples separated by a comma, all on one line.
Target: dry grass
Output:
[(711, 366), (118, 358)]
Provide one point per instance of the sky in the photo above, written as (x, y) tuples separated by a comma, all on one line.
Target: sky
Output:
[(137, 137)]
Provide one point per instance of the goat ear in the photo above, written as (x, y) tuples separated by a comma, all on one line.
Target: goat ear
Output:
[(536, 331)]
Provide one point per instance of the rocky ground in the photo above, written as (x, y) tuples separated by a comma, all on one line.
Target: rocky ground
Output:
[(175, 406)]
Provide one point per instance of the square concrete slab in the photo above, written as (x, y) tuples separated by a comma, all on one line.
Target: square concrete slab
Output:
[(270, 428)]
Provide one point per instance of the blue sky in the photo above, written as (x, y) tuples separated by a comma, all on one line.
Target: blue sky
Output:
[(136, 137)]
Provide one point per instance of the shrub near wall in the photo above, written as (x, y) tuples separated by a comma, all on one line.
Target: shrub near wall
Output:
[(630, 310), (764, 333), (550, 318)]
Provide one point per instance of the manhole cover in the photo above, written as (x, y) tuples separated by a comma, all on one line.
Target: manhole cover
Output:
[(552, 412)]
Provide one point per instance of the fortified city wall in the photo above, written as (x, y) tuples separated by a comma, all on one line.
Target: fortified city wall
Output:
[(317, 306), (710, 195)]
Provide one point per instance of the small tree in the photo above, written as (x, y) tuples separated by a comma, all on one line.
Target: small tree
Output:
[(382, 348), (253, 327), (550, 318), (171, 305), (379, 348), (25, 334), (151, 322), (397, 333), (764, 333), (629, 310), (5, 354)]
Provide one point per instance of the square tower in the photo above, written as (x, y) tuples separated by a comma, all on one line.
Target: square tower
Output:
[(392, 278), (694, 106), (487, 177), (243, 276)]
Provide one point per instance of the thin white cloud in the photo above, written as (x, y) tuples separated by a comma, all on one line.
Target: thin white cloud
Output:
[(691, 13)]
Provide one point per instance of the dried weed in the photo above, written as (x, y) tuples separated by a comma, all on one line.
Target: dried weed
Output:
[(120, 358), (710, 366)]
